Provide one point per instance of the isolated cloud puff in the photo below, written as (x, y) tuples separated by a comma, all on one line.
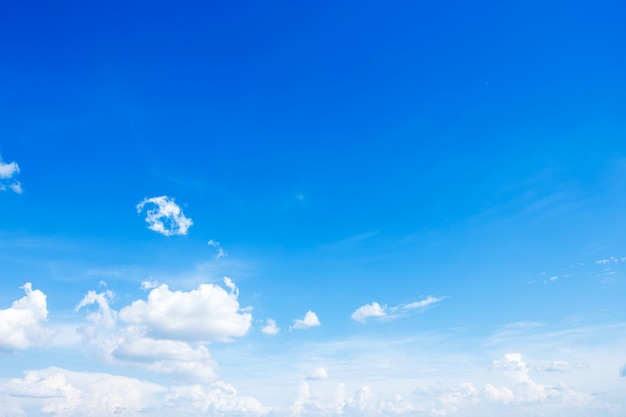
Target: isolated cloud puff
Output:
[(622, 371), (165, 216), (310, 320), (7, 174), (206, 314), (220, 251), (375, 310), (20, 324), (270, 328)]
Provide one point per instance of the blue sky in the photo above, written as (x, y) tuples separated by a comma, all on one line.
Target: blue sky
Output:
[(313, 209)]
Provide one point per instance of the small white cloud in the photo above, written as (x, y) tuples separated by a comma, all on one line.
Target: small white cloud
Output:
[(7, 174), (20, 324), (317, 373), (310, 320), (426, 302), (611, 260), (16, 187), (231, 286), (366, 311), (220, 251), (375, 310), (270, 328), (106, 317), (622, 370), (166, 217), (148, 285), (8, 170)]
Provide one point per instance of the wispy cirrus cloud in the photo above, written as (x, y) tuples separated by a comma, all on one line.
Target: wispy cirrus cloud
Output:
[(164, 216), (376, 311), (8, 172), (218, 247), (65, 393)]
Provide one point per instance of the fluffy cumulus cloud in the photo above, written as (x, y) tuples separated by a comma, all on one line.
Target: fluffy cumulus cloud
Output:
[(369, 310), (21, 324), (526, 389), (375, 310), (63, 393), (206, 314), (164, 216), (166, 333), (8, 172), (310, 320), (270, 328)]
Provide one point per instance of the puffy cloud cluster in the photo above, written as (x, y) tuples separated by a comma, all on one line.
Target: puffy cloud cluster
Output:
[(165, 216), (63, 393), (375, 310), (8, 172), (206, 314), (21, 324), (310, 320), (518, 393), (167, 332)]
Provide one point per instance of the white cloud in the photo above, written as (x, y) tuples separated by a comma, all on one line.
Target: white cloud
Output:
[(310, 320), (527, 390), (366, 311), (622, 371), (172, 358), (105, 317), (426, 302), (611, 260), (166, 217), (219, 399), (166, 333), (270, 328), (148, 285), (317, 373), (64, 393), (7, 174), (220, 251), (375, 310), (20, 324), (206, 314), (8, 170)]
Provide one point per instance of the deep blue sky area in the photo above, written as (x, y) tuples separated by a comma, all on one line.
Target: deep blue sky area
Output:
[(419, 207)]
